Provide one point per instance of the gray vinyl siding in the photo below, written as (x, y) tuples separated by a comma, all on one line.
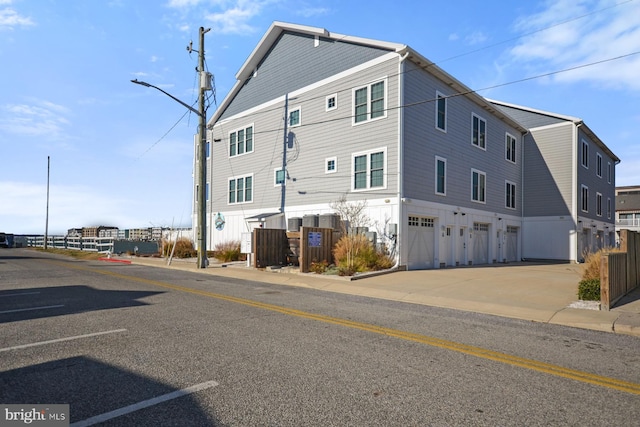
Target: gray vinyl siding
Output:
[(322, 134), (423, 142), (530, 119), (548, 171), (595, 183), (294, 63)]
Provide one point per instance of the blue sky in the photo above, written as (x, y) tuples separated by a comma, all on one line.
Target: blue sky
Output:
[(122, 154)]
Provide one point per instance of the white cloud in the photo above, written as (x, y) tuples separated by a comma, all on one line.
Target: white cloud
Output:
[(44, 119), (608, 31), (476, 37), (9, 18), (308, 12)]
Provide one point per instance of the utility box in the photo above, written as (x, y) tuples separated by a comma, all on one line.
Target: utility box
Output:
[(372, 236), (310, 220)]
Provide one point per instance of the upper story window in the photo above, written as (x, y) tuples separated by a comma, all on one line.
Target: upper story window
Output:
[(510, 195), (241, 189), (585, 154), (331, 165), (584, 199), (369, 169), (599, 165), (369, 102), (441, 176), (598, 204), (279, 176), (510, 147), (208, 149), (441, 112), (331, 102), (241, 141), (609, 207), (294, 117), (479, 131), (478, 186), (609, 172)]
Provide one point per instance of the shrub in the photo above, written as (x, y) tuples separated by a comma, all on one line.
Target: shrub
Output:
[(184, 248), (589, 290), (318, 267), (354, 253), (591, 266), (227, 251)]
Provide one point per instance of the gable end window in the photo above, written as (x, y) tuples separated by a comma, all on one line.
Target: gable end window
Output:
[(241, 141), (331, 165), (585, 154), (478, 186), (240, 190), (369, 102), (331, 102), (510, 147), (369, 170), (441, 112), (478, 131), (294, 117)]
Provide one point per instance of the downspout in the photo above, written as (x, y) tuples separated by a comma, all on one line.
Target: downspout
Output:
[(574, 199), (522, 156), (400, 197)]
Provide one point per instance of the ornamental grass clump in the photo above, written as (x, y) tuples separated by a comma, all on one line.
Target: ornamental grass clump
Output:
[(227, 251), (354, 253), (589, 286)]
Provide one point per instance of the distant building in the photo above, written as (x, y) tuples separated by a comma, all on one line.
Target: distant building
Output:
[(628, 208)]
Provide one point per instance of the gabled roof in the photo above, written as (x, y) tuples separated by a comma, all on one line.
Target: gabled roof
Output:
[(575, 120), (277, 28)]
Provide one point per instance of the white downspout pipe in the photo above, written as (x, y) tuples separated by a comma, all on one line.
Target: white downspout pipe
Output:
[(399, 237)]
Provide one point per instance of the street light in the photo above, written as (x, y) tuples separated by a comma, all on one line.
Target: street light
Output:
[(205, 85)]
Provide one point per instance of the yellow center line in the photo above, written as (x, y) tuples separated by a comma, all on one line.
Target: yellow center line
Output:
[(534, 365)]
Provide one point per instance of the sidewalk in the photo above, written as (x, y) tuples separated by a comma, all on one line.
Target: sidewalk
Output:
[(530, 291)]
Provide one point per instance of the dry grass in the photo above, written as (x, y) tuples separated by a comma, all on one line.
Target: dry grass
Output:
[(591, 266), (72, 253)]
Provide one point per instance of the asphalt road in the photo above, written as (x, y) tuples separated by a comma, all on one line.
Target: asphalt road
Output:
[(129, 345)]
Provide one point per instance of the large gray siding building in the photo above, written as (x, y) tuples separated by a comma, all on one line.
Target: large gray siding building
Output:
[(316, 116)]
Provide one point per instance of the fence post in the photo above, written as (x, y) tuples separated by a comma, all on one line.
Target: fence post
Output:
[(605, 294)]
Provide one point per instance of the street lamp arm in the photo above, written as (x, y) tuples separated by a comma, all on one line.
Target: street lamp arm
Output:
[(193, 110)]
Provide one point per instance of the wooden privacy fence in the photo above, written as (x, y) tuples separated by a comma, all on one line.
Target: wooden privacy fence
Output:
[(316, 245), (619, 271), (270, 247)]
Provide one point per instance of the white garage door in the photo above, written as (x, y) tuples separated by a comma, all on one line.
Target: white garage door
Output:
[(480, 243), (421, 243)]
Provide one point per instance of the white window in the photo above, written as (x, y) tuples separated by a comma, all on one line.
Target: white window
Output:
[(294, 117), (478, 186), (208, 149), (369, 169), (585, 198), (279, 177), (441, 112), (585, 154), (510, 195), (609, 207), (331, 165), (369, 102), (599, 165), (599, 204), (441, 176), (240, 189), (510, 147), (478, 131), (241, 141), (331, 102), (609, 172)]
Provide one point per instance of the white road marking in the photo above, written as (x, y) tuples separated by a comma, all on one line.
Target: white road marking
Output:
[(144, 404), (35, 344), (20, 294), (31, 309)]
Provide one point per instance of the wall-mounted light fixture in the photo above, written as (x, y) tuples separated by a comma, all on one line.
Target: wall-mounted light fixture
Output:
[(463, 214), (455, 213)]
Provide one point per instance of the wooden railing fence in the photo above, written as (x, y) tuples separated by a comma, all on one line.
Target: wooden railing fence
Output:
[(620, 271)]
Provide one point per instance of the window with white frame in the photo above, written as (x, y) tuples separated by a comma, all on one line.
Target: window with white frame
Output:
[(599, 165), (294, 117), (599, 204), (510, 194), (584, 199), (510, 147), (609, 172), (441, 112), (241, 141), (585, 154), (441, 176), (331, 165), (279, 177), (208, 149), (478, 186), (369, 169), (331, 102), (478, 131), (369, 102), (609, 207), (240, 190)]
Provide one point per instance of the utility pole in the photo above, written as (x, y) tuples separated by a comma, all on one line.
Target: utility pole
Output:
[(46, 227), (205, 84)]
